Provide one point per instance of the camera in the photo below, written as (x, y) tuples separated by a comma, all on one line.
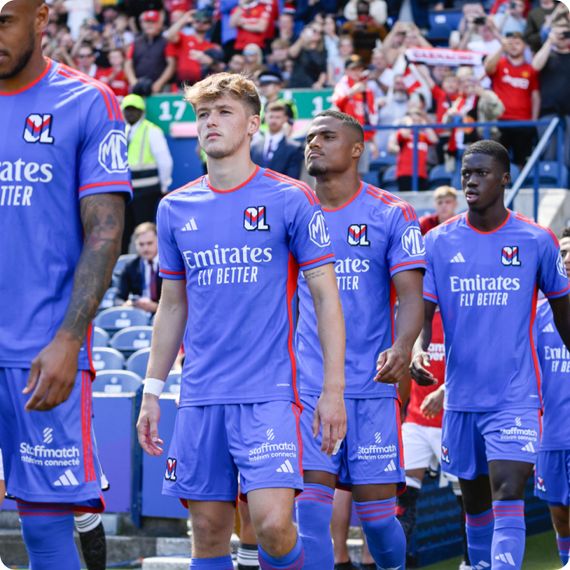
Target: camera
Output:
[(566, 35), (480, 20)]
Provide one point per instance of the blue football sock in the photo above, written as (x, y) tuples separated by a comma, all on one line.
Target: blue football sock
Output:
[(217, 563), (48, 534), (384, 534), (293, 560), (314, 513), (479, 530), (509, 536), (563, 547)]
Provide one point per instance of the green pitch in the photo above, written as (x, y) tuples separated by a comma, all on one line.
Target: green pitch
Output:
[(540, 554)]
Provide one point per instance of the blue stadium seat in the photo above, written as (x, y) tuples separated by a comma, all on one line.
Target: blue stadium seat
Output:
[(439, 176), (116, 382), (547, 176), (100, 337), (131, 339), (117, 318), (172, 385), (107, 359), (441, 24), (371, 177), (138, 361), (108, 299), (389, 180), (119, 265), (384, 159)]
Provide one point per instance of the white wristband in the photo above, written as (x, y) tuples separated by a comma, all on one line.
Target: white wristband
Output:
[(153, 386)]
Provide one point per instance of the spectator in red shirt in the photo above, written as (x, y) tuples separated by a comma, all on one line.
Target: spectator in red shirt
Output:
[(402, 144), (115, 76), (516, 83), (445, 200), (192, 61), (252, 18)]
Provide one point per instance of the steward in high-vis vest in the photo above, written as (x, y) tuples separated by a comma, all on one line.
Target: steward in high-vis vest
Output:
[(150, 163)]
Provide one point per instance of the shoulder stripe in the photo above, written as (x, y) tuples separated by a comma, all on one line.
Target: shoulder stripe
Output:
[(450, 221), (101, 184), (390, 204), (402, 204), (530, 222), (110, 101), (288, 180), (185, 187)]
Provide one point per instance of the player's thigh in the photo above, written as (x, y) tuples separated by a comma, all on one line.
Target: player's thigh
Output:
[(418, 451), (199, 465), (551, 480), (265, 444), (318, 466), (463, 446), (373, 443)]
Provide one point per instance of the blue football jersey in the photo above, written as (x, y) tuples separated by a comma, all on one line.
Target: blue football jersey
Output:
[(62, 140), (374, 236), (555, 365), (240, 252), (486, 285)]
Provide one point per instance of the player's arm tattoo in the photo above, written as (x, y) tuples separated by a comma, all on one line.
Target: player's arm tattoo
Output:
[(102, 216), (314, 273)]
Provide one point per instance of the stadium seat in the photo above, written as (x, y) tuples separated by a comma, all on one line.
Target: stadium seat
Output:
[(117, 318), (389, 180), (441, 24), (131, 339), (108, 299), (371, 177), (138, 361), (100, 337), (172, 385), (439, 176), (121, 262), (383, 159), (107, 359), (116, 382)]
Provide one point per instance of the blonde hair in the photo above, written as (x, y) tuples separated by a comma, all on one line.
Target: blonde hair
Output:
[(445, 192), (143, 228), (232, 84)]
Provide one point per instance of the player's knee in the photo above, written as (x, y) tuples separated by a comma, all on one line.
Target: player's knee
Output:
[(209, 532), (274, 532)]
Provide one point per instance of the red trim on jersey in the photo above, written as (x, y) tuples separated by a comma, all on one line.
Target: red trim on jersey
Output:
[(88, 342), (185, 187), (168, 272), (101, 184), (393, 298), (350, 200), (291, 288), (399, 428), (532, 345), (559, 293), (86, 410), (430, 295), (420, 261), (501, 225), (297, 409), (288, 180), (392, 201), (533, 223), (316, 260), (247, 181), (49, 64)]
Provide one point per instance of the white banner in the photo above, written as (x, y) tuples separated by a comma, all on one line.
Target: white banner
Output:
[(443, 56)]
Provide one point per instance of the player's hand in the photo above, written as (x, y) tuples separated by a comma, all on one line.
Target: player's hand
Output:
[(433, 403), (418, 369), (392, 365), (52, 375), (330, 416), (147, 425)]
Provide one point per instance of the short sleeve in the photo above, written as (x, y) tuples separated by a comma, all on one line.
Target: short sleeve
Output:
[(309, 237), (406, 249), (552, 277), (103, 166), (534, 80), (430, 289), (171, 264)]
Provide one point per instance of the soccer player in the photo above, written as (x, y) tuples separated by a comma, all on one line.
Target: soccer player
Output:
[(231, 244), (484, 271), (63, 182), (552, 477), (380, 254)]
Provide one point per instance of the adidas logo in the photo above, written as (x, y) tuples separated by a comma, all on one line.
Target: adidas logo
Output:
[(190, 226), (548, 328), (481, 565), (391, 466), (529, 447), (457, 258), (506, 558), (285, 467), (68, 479)]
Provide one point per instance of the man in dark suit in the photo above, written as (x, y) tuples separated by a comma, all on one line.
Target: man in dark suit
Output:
[(273, 150), (139, 283)]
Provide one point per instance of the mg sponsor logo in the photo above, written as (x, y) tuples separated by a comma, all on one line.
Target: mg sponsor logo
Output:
[(113, 152), (561, 268), (413, 242), (318, 231)]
